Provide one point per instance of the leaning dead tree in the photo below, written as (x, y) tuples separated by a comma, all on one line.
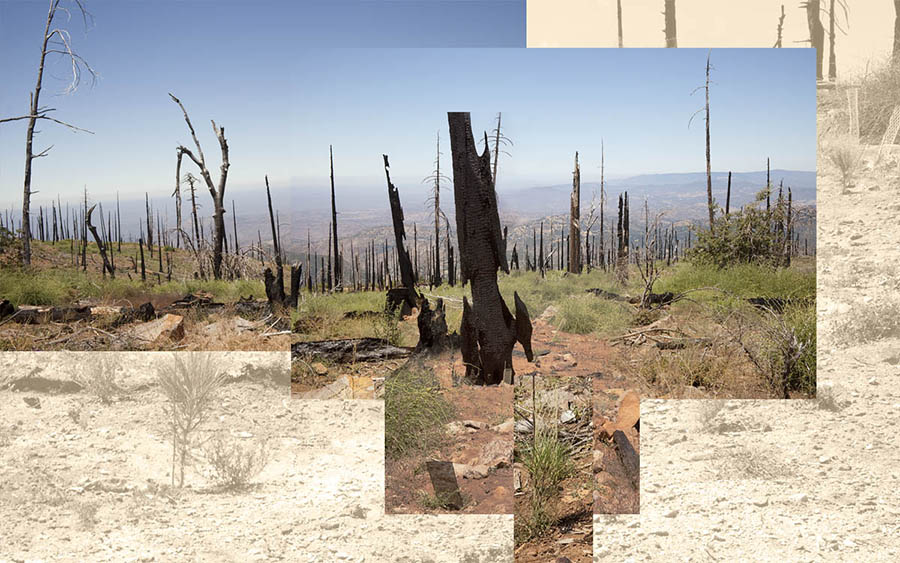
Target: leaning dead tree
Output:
[(274, 283), (404, 297), (56, 41), (670, 31), (488, 330), (101, 244), (575, 221), (216, 190)]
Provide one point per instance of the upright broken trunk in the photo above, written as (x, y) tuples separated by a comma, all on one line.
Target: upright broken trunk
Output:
[(101, 245), (274, 284), (671, 34), (575, 221), (407, 277), (488, 330), (816, 32)]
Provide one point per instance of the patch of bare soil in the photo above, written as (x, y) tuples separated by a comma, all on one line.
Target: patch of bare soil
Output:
[(556, 524), (479, 443)]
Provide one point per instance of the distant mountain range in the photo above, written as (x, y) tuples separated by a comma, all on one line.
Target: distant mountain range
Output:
[(364, 212)]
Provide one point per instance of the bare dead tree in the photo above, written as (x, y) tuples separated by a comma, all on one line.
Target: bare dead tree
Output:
[(670, 30), (216, 190), (488, 330), (575, 221), (56, 41), (409, 295), (177, 195), (709, 197), (780, 28), (337, 257), (619, 17), (816, 32), (895, 53), (434, 201), (647, 256), (101, 245)]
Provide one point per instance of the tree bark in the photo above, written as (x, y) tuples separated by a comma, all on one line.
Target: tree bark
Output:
[(217, 191), (489, 329), (338, 266), (816, 33), (575, 221), (671, 32), (895, 55), (407, 278), (101, 245)]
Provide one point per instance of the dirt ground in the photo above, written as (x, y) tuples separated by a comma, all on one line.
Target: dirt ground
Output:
[(810, 480), (565, 402)]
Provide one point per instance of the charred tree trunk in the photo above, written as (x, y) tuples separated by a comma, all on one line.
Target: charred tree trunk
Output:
[(101, 245), (274, 283), (488, 329), (338, 277), (575, 221), (728, 196), (407, 278)]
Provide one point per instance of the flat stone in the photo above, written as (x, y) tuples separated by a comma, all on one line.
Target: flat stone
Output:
[(319, 368), (169, 326)]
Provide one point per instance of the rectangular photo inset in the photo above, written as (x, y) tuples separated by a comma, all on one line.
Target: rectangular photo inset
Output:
[(617, 448), (448, 443), (662, 230), (553, 481)]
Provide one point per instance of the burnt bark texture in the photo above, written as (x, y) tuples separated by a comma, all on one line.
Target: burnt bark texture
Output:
[(101, 245), (407, 277), (488, 328), (575, 221)]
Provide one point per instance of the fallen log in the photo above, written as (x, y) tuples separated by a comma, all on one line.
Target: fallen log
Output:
[(31, 315), (628, 457), (606, 294), (681, 343), (348, 350)]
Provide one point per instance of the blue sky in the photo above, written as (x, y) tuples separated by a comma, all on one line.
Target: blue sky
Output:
[(283, 97)]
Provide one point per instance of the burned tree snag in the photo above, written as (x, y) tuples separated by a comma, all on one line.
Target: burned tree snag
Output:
[(575, 221), (107, 267), (217, 191), (670, 30), (274, 283), (337, 261), (488, 329), (407, 277), (728, 196)]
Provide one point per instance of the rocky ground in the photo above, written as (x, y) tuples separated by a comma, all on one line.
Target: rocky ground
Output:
[(83, 480), (812, 480)]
